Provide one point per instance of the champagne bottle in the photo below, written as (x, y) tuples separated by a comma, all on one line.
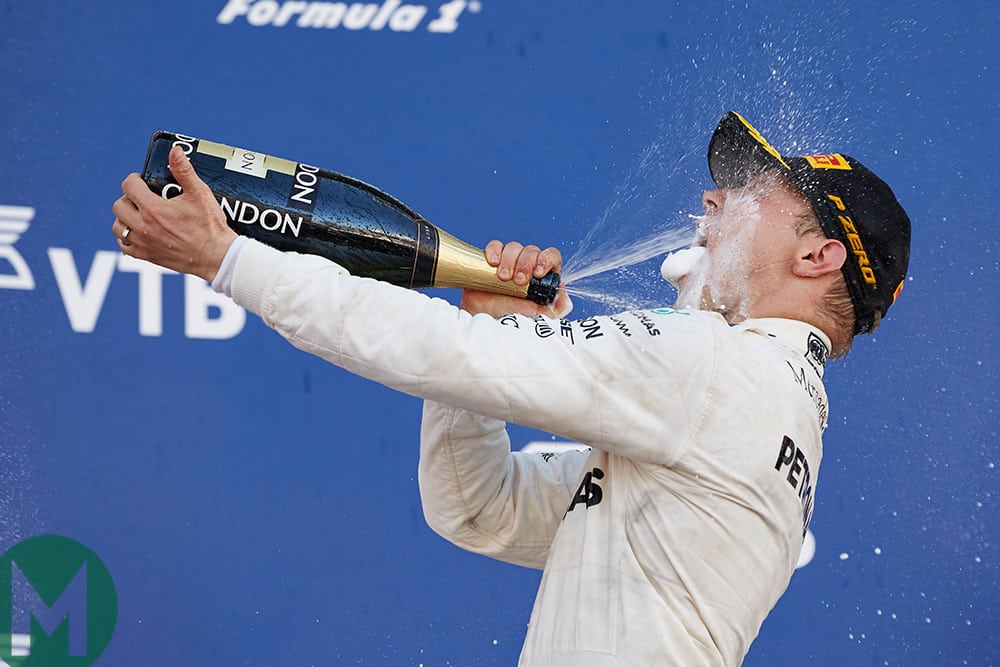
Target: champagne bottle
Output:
[(294, 206)]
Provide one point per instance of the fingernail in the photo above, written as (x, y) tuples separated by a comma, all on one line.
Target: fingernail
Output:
[(504, 274), (520, 278)]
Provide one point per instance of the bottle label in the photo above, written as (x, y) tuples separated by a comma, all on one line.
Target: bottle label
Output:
[(305, 183), (426, 256), (247, 162)]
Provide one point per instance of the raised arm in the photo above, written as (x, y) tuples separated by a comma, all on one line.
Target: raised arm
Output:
[(482, 497), (476, 493), (613, 381)]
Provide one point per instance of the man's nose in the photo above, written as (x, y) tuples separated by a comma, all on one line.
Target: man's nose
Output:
[(713, 201)]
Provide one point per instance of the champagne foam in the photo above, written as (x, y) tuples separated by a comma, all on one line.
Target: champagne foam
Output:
[(678, 264)]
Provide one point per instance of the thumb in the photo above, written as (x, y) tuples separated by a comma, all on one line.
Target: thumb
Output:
[(183, 171)]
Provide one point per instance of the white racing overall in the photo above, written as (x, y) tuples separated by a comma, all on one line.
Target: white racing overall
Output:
[(673, 536)]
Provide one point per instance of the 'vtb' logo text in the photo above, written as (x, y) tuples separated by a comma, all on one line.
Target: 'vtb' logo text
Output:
[(14, 221), (83, 290)]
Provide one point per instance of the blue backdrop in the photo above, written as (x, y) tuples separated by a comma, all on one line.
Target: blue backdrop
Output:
[(256, 506)]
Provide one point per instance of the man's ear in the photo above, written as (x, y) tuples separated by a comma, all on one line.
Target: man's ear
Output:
[(819, 257)]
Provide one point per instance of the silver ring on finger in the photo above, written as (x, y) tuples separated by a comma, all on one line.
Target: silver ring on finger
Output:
[(124, 237)]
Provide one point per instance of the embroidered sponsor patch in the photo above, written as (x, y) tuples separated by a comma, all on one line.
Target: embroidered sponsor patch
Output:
[(828, 161)]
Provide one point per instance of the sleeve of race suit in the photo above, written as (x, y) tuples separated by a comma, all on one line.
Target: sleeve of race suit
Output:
[(632, 385), (484, 498)]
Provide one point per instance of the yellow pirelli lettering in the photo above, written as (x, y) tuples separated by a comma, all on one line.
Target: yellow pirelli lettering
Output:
[(848, 224), (854, 241), (763, 142)]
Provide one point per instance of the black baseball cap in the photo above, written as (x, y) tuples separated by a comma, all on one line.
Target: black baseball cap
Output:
[(853, 205)]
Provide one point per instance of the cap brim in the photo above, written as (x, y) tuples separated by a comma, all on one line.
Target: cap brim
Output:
[(737, 153)]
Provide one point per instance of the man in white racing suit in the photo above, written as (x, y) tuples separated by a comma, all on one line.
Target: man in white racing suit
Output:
[(669, 540)]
